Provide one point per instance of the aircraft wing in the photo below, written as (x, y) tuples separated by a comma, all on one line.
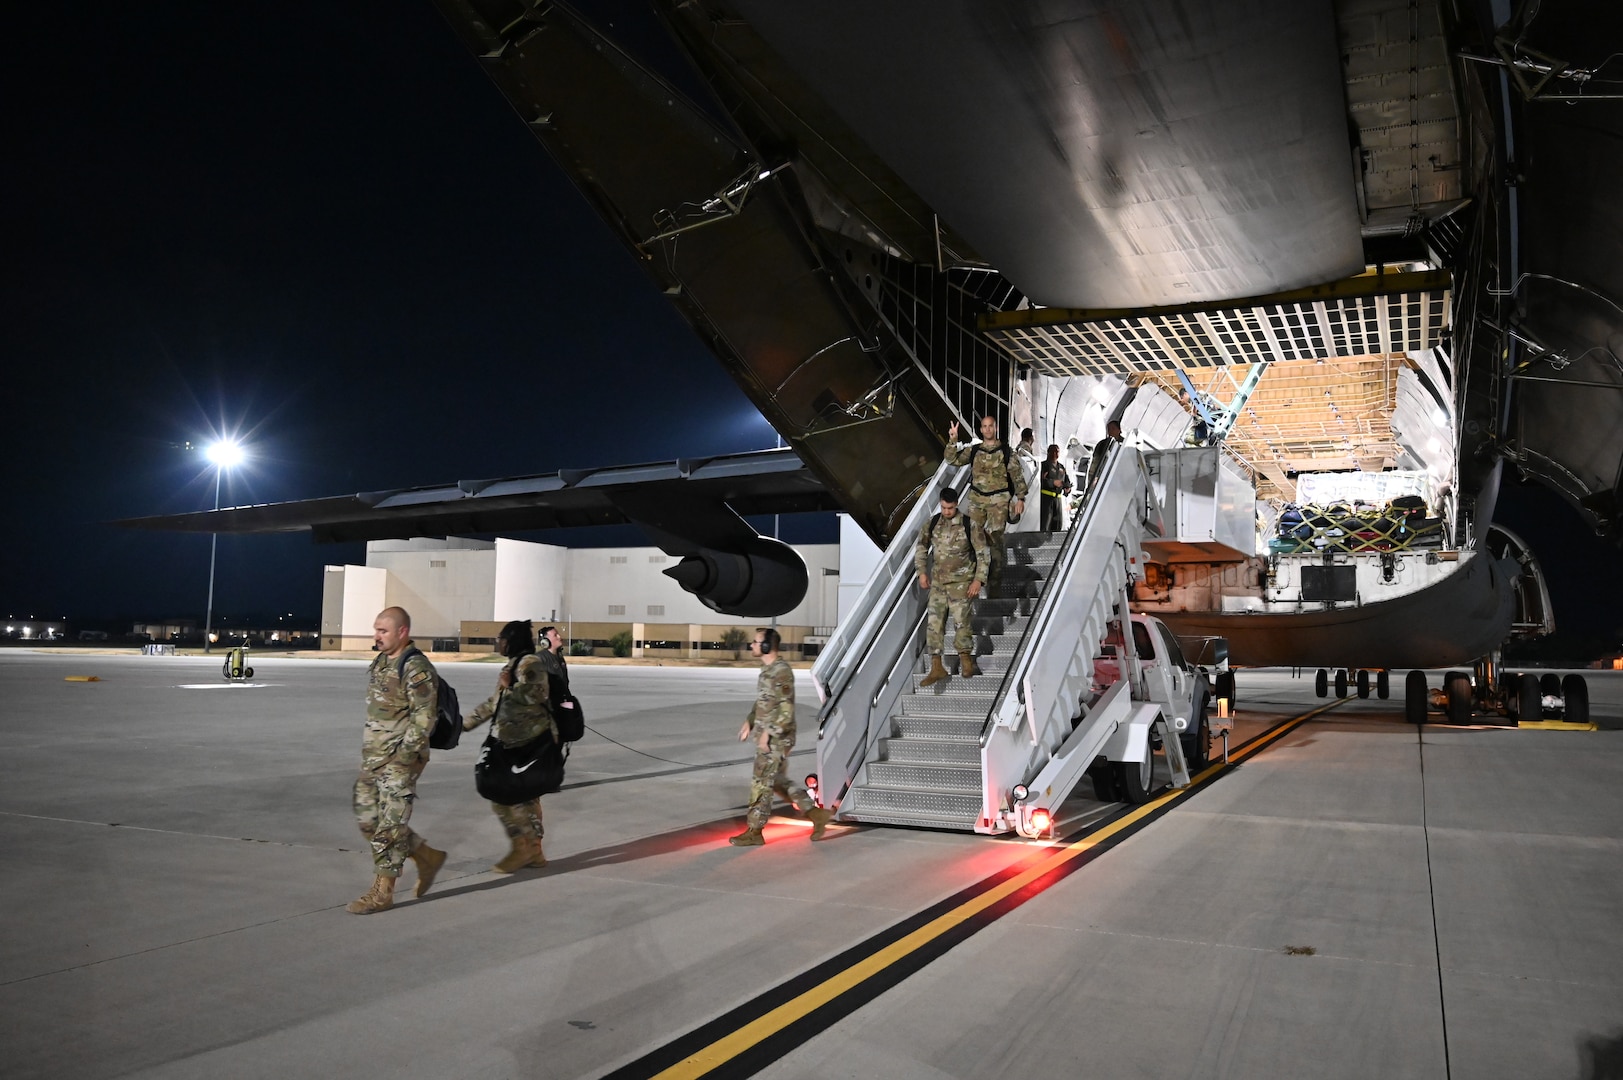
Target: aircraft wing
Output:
[(691, 508), (697, 499)]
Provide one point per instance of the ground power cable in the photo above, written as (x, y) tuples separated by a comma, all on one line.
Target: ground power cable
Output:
[(1431, 888)]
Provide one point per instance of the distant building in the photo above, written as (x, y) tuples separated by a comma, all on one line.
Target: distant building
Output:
[(461, 591)]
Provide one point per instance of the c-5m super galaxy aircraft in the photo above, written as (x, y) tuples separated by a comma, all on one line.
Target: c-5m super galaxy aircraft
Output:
[(1335, 265)]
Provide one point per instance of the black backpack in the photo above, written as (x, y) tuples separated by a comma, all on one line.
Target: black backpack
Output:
[(447, 730), (969, 537), (566, 711)]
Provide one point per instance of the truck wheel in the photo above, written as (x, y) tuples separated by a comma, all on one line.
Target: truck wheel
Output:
[(1321, 683), (1341, 682), (1383, 684), (1414, 697), (1576, 691), (1225, 687), (1527, 694), (1137, 779), (247, 673), (1458, 685), (1363, 683)]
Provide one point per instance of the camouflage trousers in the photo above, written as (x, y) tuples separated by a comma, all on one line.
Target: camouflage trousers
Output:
[(382, 809), (950, 599), (521, 820), (771, 774), (991, 513)]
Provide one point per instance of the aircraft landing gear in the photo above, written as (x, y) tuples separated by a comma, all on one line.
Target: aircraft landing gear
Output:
[(1457, 685), (1321, 683), (1414, 697), (1383, 684), (1341, 682), (1363, 683)]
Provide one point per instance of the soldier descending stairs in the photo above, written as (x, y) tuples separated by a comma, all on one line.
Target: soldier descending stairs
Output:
[(927, 771)]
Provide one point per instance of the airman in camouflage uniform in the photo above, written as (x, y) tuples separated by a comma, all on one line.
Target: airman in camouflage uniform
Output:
[(772, 722), (997, 486), (954, 578), (519, 712), (400, 705)]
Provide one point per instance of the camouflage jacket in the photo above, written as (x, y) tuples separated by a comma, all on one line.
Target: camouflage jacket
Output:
[(522, 711), (993, 469), (774, 710), (399, 711), (960, 547)]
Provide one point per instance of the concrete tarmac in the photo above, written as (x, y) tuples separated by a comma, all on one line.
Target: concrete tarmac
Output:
[(1360, 898)]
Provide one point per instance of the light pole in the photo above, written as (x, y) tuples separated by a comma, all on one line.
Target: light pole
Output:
[(224, 454)]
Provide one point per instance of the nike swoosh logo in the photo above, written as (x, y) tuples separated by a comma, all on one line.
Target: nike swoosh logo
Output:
[(521, 768)]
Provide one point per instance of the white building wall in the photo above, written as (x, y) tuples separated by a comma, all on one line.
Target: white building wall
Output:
[(439, 582), (351, 597), (859, 556), (529, 582), (629, 584)]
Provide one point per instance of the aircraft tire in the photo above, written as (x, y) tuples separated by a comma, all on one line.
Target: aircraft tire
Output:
[(1225, 687), (1458, 685), (1576, 692), (1321, 684), (1383, 684), (1414, 697), (1341, 682), (1363, 683), (1527, 694), (1137, 779), (1549, 684)]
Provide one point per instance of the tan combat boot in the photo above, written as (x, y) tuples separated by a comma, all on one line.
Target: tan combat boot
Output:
[(966, 665), (428, 861), (819, 818), (750, 837), (379, 898), (537, 860), (937, 672), (517, 855)]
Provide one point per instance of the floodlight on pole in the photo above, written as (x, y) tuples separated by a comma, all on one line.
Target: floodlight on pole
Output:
[(225, 454)]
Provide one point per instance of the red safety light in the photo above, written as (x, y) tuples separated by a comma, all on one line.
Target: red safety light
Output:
[(811, 782), (1041, 820)]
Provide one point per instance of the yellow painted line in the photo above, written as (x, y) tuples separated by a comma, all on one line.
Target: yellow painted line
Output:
[(758, 1030), (1555, 725)]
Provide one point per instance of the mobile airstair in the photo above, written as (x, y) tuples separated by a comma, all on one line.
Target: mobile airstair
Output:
[(986, 754)]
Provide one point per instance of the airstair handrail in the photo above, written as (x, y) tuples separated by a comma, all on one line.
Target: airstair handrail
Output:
[(847, 649), (1055, 590)]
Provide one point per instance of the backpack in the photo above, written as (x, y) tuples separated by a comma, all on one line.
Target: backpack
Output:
[(969, 539), (566, 710), (447, 731), (1002, 449)]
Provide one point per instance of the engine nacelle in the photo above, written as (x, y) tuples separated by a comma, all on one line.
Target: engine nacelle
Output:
[(768, 578)]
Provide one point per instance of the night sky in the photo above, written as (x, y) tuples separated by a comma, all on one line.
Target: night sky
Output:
[(319, 226)]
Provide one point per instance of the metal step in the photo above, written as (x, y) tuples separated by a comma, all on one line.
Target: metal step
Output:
[(943, 728), (940, 805), (950, 701), (852, 812), (921, 751), (931, 779)]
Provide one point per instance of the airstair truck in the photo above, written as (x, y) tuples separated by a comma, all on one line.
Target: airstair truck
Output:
[(1000, 752)]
